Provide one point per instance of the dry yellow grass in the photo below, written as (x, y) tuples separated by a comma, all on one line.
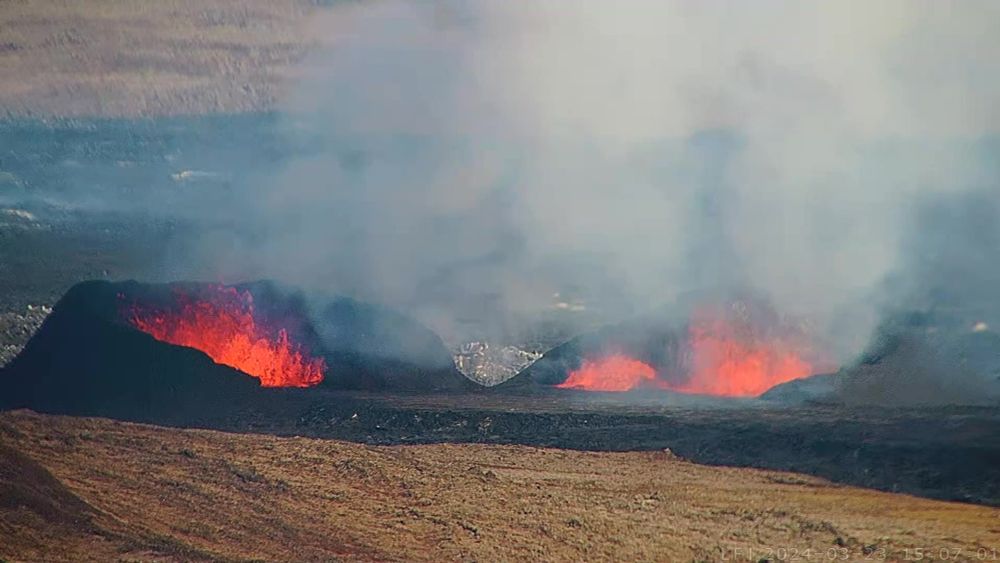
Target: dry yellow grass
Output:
[(151, 493), (142, 57)]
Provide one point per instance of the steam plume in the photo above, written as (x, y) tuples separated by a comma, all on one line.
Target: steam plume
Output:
[(469, 159)]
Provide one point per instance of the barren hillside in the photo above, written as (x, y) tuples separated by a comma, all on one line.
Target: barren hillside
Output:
[(91, 489), (138, 58)]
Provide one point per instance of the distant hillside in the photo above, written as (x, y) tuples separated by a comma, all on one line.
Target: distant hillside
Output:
[(137, 58)]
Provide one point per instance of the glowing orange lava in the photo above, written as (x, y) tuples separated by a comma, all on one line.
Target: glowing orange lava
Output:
[(221, 323), (613, 373), (730, 360), (731, 349)]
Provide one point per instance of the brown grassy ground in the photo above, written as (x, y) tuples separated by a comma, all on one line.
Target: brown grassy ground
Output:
[(92, 489), (142, 57)]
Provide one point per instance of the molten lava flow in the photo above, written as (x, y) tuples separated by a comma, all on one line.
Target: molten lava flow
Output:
[(221, 323), (732, 348), (613, 373), (730, 359)]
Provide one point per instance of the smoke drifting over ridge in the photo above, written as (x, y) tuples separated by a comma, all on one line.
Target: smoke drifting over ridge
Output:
[(472, 158)]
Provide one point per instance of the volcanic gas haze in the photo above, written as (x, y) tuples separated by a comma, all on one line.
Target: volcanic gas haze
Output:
[(625, 152)]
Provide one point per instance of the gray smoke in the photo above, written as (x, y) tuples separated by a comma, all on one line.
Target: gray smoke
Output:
[(469, 160)]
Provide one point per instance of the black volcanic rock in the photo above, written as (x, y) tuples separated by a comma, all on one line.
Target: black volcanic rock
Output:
[(930, 362), (818, 388), (84, 360), (88, 359), (369, 347)]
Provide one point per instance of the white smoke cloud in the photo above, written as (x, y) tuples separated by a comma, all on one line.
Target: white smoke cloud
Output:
[(490, 152)]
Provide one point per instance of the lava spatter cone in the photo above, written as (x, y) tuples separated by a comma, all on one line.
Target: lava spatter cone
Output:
[(140, 351), (728, 346)]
